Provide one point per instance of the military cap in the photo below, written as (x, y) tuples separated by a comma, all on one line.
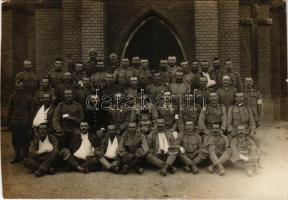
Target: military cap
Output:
[(113, 55), (133, 78), (92, 50), (131, 124), (226, 78), (111, 127)]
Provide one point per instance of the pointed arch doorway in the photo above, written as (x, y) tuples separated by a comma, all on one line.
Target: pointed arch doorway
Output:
[(154, 40)]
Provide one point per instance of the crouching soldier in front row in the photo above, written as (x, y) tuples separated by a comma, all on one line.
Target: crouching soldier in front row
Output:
[(132, 149), (190, 142), (80, 152), (43, 152), (108, 149), (216, 147), (244, 151), (161, 153)]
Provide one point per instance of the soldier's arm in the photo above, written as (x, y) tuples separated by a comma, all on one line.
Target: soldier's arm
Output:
[(251, 120), (57, 120), (224, 118)]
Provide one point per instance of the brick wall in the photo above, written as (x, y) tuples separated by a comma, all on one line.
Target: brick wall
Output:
[(228, 31), (6, 55), (48, 38), (72, 29), (92, 27), (206, 29)]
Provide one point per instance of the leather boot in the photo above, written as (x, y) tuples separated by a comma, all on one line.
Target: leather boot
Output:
[(163, 171)]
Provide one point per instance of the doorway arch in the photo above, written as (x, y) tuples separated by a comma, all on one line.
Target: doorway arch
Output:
[(153, 39)]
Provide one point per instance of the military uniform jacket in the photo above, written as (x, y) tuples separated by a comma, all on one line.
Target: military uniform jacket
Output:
[(81, 94), (172, 71), (98, 79), (239, 115), (122, 75), (226, 96), (119, 116), (133, 144), (191, 142), (29, 80), (179, 88), (61, 124), (202, 94), (20, 109), (60, 89), (157, 90), (165, 77), (55, 77), (253, 99), (168, 114), (211, 115), (220, 143)]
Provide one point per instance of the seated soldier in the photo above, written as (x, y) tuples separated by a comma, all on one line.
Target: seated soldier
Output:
[(216, 147), (80, 152), (191, 142), (132, 149), (244, 151), (161, 153), (107, 151), (43, 152)]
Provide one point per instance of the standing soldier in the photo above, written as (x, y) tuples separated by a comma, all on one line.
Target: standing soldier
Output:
[(202, 93), (227, 92), (239, 114), (80, 153), (45, 87), (67, 117), (165, 77), (214, 113), (216, 73), (123, 74), (160, 141), (108, 149), (19, 117), (29, 79), (188, 75), (132, 149), (216, 148), (43, 152), (191, 143), (56, 75), (98, 78), (172, 67), (90, 66), (196, 74), (234, 76), (157, 88), (114, 63), (254, 100), (144, 74), (78, 74)]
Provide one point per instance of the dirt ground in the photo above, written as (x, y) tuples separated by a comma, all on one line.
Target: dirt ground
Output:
[(270, 183)]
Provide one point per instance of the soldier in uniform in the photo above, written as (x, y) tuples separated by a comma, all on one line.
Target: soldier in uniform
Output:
[(216, 73), (29, 79), (188, 75), (119, 114), (78, 74), (196, 74), (19, 119), (81, 93), (245, 152), (109, 88), (45, 87), (134, 89), (43, 152), (205, 72), (254, 100), (227, 92), (145, 127), (90, 66), (165, 77), (132, 149), (56, 75), (189, 111), (67, 117), (179, 88), (80, 153), (114, 62), (98, 78), (123, 74), (214, 113), (202, 93), (144, 74), (172, 67), (216, 148), (190, 145), (156, 88), (160, 143), (239, 114), (235, 77), (67, 84), (108, 149), (135, 62)]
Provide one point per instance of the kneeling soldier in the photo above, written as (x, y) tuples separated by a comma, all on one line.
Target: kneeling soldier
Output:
[(107, 151), (216, 146), (162, 153), (80, 152), (244, 151), (191, 142), (43, 152), (132, 149)]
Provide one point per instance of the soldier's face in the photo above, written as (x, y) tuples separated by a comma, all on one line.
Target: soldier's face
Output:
[(239, 98), (144, 63), (249, 83), (27, 66), (45, 83), (46, 99), (67, 77), (184, 67), (216, 64), (194, 67), (114, 60), (189, 127), (171, 62), (86, 82), (216, 130), (84, 127), (160, 126), (203, 83), (19, 87), (93, 55), (204, 67), (156, 78), (42, 131), (132, 129), (213, 99), (100, 66), (111, 131), (78, 67), (228, 65), (133, 82), (226, 82), (125, 63), (109, 79), (94, 100), (136, 61), (58, 65), (179, 78), (68, 95)]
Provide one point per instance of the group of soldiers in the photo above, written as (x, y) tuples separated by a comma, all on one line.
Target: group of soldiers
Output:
[(118, 117)]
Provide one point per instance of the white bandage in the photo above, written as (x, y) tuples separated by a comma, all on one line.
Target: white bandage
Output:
[(259, 101)]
